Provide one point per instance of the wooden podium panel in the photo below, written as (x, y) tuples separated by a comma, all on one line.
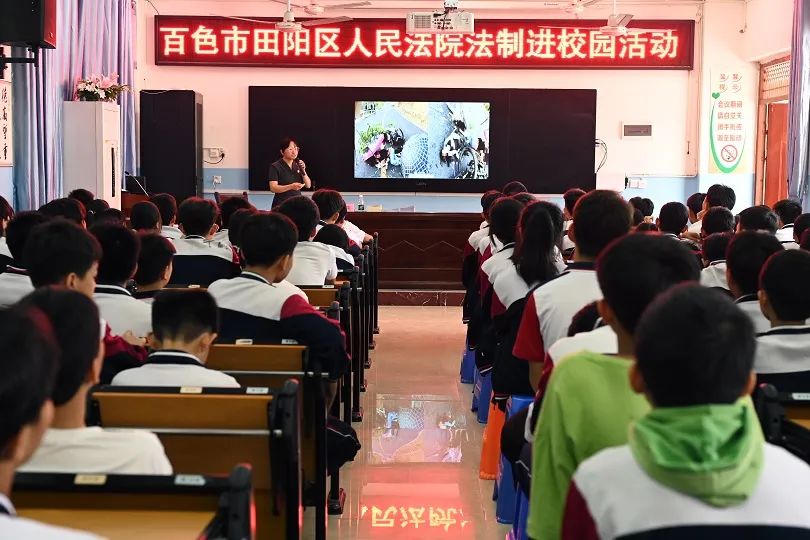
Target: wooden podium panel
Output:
[(419, 251)]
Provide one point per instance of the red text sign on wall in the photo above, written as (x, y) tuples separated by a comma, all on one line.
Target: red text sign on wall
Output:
[(556, 44)]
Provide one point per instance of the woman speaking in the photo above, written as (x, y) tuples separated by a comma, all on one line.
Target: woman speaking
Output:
[(288, 176)]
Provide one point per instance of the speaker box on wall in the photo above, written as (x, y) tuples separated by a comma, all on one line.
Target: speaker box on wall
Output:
[(28, 23), (171, 142)]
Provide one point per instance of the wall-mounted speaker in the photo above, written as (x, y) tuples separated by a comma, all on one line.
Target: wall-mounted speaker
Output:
[(28, 23)]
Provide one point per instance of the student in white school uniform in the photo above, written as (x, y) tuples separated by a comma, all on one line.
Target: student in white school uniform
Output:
[(227, 209), (154, 266), (15, 282), (145, 218), (27, 412), (782, 357), (716, 195), (672, 222), (120, 248), (313, 262), (745, 257), (758, 218), (69, 445), (336, 239), (570, 199), (714, 260), (504, 218), (185, 327), (167, 206), (787, 210)]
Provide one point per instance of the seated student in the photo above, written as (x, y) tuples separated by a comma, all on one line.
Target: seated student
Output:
[(227, 209), (14, 282), (758, 218), (95, 210), (513, 188), (646, 228), (145, 218), (84, 196), (357, 235), (154, 266), (329, 203), (645, 206), (570, 199), (313, 263), (714, 259), (600, 217), (632, 272), (185, 323), (112, 216), (6, 214), (469, 269), (200, 260), (69, 209), (801, 224), (717, 220), (672, 221), (524, 198), (504, 217), (787, 210), (69, 445), (695, 204), (29, 351), (336, 239), (716, 195), (784, 296), (120, 249), (745, 257), (235, 224), (638, 217), (61, 253), (696, 465), (167, 206)]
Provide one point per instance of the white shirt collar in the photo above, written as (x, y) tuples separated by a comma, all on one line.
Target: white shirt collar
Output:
[(111, 289), (254, 276), (6, 503)]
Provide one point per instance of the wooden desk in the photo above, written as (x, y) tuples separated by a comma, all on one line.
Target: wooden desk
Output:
[(127, 524), (128, 200), (419, 251)]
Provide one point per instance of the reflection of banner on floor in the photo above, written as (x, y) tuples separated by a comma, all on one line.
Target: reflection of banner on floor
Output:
[(415, 517)]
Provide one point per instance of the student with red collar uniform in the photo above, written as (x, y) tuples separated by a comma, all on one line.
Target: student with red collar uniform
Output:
[(336, 239), (504, 216), (745, 257), (200, 260), (185, 323), (28, 349), (61, 253), (714, 258), (154, 266), (600, 217), (313, 263), (69, 445), (471, 264), (787, 210), (696, 465), (167, 205), (14, 282), (120, 249), (261, 306), (329, 203), (784, 296)]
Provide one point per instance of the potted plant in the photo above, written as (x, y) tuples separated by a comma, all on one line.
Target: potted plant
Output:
[(100, 88)]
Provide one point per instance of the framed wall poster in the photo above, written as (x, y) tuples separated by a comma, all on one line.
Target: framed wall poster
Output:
[(6, 148)]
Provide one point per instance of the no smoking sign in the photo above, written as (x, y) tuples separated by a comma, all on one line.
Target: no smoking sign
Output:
[(729, 153)]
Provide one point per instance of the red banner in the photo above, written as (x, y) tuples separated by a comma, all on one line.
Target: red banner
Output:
[(497, 43)]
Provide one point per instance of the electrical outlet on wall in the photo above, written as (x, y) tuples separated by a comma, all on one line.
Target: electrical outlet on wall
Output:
[(217, 180)]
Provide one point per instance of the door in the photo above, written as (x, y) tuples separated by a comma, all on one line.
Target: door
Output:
[(776, 174)]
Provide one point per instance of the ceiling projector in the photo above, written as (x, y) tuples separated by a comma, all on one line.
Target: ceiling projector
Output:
[(448, 21)]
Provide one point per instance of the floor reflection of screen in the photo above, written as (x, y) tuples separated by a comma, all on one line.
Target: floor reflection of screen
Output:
[(418, 429)]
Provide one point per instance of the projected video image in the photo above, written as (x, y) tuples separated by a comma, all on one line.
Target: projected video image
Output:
[(407, 139)]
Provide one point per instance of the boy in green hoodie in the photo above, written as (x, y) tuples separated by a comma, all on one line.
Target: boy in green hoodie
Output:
[(696, 465)]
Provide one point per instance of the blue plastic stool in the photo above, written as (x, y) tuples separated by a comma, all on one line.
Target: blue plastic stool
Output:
[(518, 530), (484, 397), (467, 370), (505, 484), (476, 390)]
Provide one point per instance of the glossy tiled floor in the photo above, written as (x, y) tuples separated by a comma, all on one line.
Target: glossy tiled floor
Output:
[(420, 480)]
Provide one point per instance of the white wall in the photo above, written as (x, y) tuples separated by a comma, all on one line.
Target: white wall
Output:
[(769, 28)]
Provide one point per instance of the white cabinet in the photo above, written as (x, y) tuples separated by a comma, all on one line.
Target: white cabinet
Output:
[(92, 149)]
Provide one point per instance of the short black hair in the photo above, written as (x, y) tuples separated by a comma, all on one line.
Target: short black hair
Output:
[(673, 217), (303, 212), (156, 255), (784, 279), (76, 326), (110, 215), (636, 268), (646, 206), (18, 231), (720, 195), (145, 216), (787, 210), (6, 211), (712, 366), (646, 228), (513, 187), (197, 216), (285, 142), (266, 237), (524, 198), (167, 205), (487, 199), (718, 219), (328, 201), (235, 226), (95, 210), (638, 217), (600, 217), (695, 202), (229, 206), (70, 209), (29, 358), (801, 224), (342, 215), (120, 249), (758, 218), (58, 248), (746, 255), (84, 196), (715, 246), (333, 235), (503, 219), (571, 197), (184, 314)]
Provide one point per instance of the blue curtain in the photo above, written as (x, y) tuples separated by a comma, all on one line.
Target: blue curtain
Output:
[(799, 122), (94, 37)]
